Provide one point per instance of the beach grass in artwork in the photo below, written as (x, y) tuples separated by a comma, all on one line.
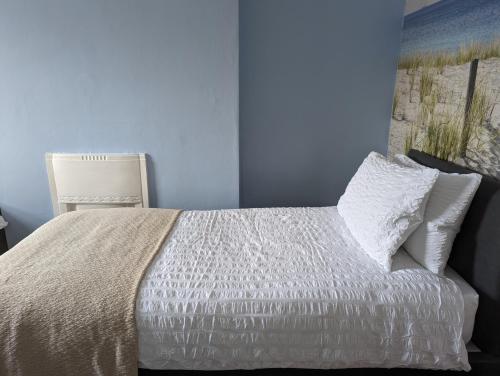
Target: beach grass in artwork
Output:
[(439, 60), (426, 82), (447, 96), (447, 134), (436, 132), (411, 139), (442, 138), (480, 110), (395, 103)]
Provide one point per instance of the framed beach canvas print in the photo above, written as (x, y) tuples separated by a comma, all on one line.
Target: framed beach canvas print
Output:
[(447, 95)]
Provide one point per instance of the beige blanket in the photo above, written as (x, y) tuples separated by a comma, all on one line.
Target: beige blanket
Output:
[(67, 292)]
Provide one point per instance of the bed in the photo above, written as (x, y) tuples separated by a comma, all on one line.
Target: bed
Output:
[(241, 303), (290, 288)]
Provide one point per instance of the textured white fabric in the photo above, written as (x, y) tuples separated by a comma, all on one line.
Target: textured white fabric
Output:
[(471, 302), (384, 203), (290, 287), (430, 244)]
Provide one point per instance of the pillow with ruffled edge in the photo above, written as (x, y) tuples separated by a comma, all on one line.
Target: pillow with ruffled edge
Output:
[(384, 203)]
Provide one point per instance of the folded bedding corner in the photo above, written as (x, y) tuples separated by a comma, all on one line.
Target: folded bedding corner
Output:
[(56, 284)]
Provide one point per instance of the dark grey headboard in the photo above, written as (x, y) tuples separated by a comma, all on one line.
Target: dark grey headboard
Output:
[(476, 252)]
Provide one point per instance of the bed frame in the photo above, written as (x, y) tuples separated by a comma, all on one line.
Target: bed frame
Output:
[(476, 253), (475, 256)]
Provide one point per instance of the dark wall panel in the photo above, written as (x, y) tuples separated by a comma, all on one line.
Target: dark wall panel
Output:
[(316, 85)]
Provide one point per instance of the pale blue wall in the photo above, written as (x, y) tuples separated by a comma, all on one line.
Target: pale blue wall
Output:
[(316, 85), (161, 77), (154, 76)]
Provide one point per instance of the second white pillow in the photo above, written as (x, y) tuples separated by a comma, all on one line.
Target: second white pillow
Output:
[(384, 203), (431, 243)]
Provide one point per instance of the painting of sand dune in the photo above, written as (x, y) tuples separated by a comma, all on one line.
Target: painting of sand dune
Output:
[(447, 95)]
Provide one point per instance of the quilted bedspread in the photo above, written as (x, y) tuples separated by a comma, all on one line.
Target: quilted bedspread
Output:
[(290, 287)]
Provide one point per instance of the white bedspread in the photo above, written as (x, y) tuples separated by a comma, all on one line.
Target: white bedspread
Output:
[(290, 287)]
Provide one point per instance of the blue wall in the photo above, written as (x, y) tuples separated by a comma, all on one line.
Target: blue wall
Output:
[(316, 85), (161, 77), (155, 76)]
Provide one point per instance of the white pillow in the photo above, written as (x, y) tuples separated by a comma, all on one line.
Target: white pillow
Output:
[(449, 201), (384, 203)]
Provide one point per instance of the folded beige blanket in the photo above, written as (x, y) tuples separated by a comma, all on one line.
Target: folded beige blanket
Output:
[(67, 292)]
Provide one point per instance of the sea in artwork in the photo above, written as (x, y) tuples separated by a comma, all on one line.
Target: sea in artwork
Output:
[(449, 24), (447, 95)]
